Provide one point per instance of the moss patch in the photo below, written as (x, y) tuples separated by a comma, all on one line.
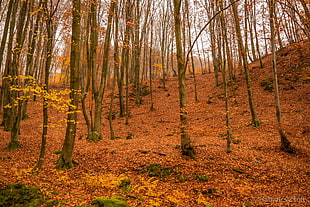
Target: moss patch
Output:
[(111, 202), (267, 84), (156, 170), (94, 137), (18, 194)]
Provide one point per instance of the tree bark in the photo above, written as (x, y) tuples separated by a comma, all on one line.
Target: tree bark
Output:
[(255, 121), (186, 147), (16, 113), (65, 160), (285, 143), (48, 20)]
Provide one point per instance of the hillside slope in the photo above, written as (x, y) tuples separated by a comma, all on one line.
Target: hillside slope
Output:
[(256, 171)]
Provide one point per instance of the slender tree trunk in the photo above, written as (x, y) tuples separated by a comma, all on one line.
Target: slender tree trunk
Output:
[(191, 52), (85, 75), (256, 35), (45, 86), (151, 68), (5, 32), (7, 76), (137, 53), (186, 147), (227, 110), (2, 47), (116, 69), (65, 160), (278, 33), (98, 90), (125, 56), (255, 121), (285, 143), (17, 111)]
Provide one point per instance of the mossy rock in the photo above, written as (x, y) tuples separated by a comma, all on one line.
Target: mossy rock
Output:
[(102, 202)]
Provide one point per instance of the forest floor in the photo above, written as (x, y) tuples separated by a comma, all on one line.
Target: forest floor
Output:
[(255, 173)]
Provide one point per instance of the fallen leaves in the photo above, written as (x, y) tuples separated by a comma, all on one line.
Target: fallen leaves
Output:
[(254, 172)]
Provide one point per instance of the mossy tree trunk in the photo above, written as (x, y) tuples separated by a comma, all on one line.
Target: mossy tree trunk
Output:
[(65, 160), (186, 146), (285, 143)]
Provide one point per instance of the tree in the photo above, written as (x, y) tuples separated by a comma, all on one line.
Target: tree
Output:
[(285, 143), (16, 103), (7, 75), (226, 96), (49, 47), (186, 146), (255, 121), (65, 160)]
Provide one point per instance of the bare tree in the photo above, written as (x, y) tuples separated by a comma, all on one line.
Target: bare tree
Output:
[(285, 143), (186, 147)]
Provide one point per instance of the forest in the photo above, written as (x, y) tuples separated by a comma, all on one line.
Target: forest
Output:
[(128, 103)]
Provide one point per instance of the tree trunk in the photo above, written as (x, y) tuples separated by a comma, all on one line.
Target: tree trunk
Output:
[(46, 82), (6, 80), (255, 121), (65, 160), (285, 143), (17, 111), (227, 110), (151, 68), (186, 147)]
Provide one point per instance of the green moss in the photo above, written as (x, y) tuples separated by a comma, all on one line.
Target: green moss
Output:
[(13, 145), (248, 204), (143, 152), (95, 137), (267, 84), (201, 178), (238, 170), (156, 170), (182, 178), (102, 202), (19, 195), (236, 141), (209, 191), (129, 136), (125, 185), (57, 152), (62, 165)]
